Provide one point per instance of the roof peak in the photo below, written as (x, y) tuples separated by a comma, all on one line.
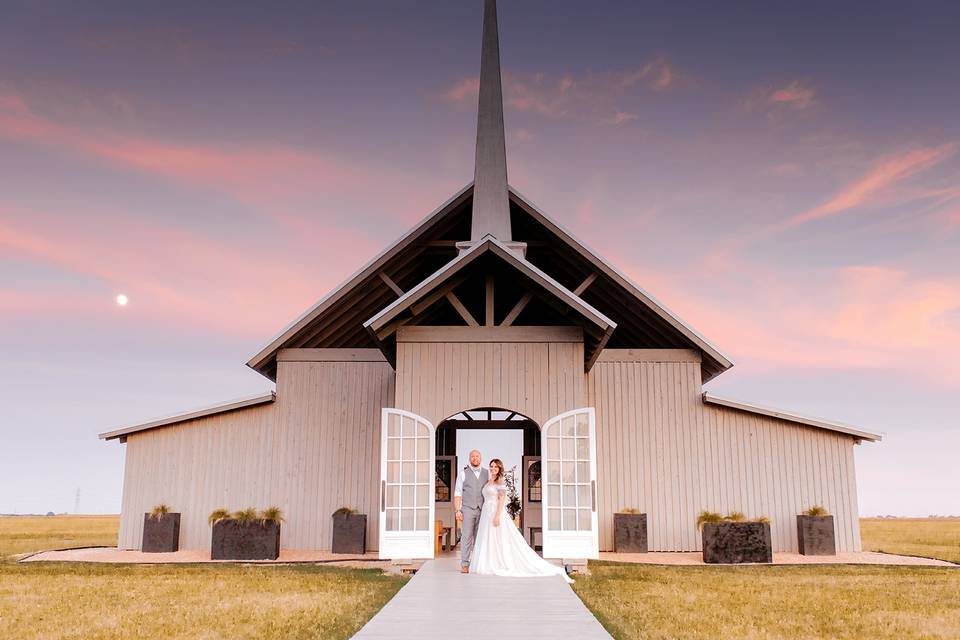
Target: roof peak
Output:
[(491, 205)]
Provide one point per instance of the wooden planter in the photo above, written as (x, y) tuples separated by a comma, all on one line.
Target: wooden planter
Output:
[(630, 532), (816, 535), (161, 534), (736, 542), (237, 540), (350, 533)]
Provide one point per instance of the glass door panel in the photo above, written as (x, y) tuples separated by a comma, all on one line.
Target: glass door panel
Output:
[(570, 528), (407, 480)]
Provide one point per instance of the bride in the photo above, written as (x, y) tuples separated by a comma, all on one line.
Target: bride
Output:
[(500, 548)]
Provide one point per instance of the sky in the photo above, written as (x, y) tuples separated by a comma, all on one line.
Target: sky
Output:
[(783, 176)]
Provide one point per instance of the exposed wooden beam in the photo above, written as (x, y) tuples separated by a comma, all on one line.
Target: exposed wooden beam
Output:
[(462, 310), (517, 308), (488, 319), (586, 283), (387, 280), (428, 301)]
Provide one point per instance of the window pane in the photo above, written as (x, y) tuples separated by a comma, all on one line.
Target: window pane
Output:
[(583, 472), (553, 519), (585, 520), (569, 469), (422, 430), (567, 427), (553, 448), (583, 448), (423, 471), (553, 472), (393, 472), (583, 424), (423, 448), (406, 519), (393, 519), (533, 482), (443, 480), (393, 425), (409, 449), (406, 496), (569, 495), (569, 519), (406, 474), (393, 495), (569, 450), (407, 427), (553, 491), (393, 449), (583, 495), (423, 495), (423, 519)]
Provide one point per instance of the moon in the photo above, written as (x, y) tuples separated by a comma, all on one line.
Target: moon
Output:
[(122, 300)]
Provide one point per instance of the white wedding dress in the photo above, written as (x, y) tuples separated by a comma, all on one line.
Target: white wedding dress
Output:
[(501, 550)]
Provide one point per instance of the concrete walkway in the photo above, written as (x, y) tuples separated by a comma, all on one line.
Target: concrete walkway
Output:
[(440, 602)]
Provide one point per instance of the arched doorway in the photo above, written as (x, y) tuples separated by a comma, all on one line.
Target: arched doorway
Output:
[(527, 463), (410, 481)]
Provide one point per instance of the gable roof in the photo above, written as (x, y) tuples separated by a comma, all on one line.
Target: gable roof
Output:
[(789, 416), (348, 293), (380, 324)]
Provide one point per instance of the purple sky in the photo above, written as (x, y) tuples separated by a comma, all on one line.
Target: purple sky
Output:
[(786, 179)]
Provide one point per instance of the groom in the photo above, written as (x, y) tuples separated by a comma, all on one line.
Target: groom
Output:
[(468, 500)]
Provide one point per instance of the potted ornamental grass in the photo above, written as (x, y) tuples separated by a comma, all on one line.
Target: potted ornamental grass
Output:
[(733, 539), (815, 532), (630, 531), (161, 530), (246, 534), (349, 531)]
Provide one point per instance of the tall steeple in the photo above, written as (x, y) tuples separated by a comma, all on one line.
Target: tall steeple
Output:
[(491, 207)]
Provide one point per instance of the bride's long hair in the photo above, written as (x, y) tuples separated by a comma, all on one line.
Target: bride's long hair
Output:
[(499, 477)]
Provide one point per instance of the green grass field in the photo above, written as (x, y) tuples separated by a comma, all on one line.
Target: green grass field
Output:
[(61, 600), (927, 537), (868, 602)]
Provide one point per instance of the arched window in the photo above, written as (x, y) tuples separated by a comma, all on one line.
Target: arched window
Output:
[(533, 482)]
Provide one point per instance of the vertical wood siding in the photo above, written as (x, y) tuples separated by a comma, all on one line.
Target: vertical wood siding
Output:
[(660, 449), (538, 379), (309, 453)]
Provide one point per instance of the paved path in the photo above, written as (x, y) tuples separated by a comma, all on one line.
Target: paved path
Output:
[(440, 602)]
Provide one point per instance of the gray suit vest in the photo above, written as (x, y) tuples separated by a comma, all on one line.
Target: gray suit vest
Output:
[(472, 495)]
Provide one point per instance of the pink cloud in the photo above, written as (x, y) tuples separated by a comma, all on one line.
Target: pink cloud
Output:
[(885, 173), (795, 95), (864, 317), (172, 276), (277, 181), (589, 96)]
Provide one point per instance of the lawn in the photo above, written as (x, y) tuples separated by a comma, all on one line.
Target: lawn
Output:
[(931, 538), (60, 600), (637, 601)]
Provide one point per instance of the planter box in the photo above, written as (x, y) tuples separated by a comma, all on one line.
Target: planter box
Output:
[(816, 535), (235, 540), (736, 542), (161, 535), (630, 532), (350, 533)]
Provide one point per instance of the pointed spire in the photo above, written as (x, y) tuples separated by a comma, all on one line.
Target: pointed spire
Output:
[(491, 207)]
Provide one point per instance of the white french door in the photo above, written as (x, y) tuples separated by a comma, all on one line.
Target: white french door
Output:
[(407, 476), (569, 478)]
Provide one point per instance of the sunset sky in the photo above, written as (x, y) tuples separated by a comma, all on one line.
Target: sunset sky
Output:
[(784, 178)]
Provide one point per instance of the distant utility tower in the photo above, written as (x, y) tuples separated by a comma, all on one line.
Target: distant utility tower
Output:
[(76, 502)]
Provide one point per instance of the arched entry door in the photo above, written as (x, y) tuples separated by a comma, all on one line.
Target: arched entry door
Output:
[(407, 477), (569, 460)]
